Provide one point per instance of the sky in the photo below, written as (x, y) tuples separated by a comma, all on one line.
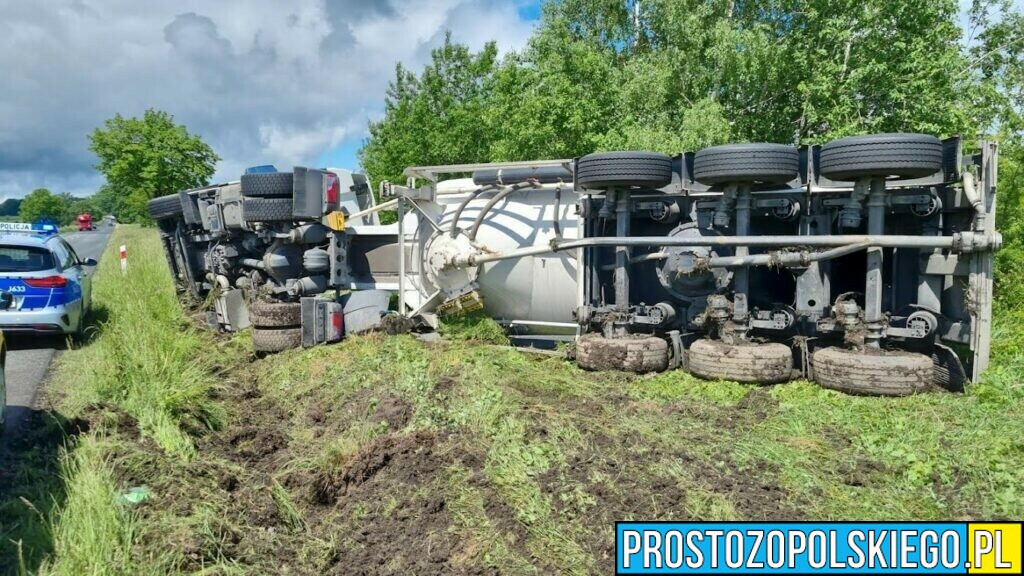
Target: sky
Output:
[(261, 81)]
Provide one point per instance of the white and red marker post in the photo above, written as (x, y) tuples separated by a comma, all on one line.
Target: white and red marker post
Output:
[(124, 259)]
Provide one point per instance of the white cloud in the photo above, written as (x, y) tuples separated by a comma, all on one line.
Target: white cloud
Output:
[(261, 81)]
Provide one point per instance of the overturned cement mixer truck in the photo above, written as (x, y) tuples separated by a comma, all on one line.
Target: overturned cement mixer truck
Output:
[(864, 264)]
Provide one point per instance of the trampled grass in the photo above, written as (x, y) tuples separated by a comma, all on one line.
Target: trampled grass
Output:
[(391, 453)]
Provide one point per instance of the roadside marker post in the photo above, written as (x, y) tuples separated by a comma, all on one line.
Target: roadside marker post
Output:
[(124, 259)]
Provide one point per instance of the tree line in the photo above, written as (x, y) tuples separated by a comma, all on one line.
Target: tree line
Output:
[(63, 208), (674, 75), (661, 75)]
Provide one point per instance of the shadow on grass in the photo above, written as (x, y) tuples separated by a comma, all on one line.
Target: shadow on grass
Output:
[(32, 487)]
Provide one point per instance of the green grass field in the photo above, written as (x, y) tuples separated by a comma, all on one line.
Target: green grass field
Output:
[(462, 456)]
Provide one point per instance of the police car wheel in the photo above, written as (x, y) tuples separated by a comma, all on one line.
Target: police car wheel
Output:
[(3, 387)]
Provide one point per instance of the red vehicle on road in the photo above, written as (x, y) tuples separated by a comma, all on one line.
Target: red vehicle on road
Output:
[(85, 222)]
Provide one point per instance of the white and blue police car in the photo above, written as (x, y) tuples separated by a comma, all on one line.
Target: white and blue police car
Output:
[(45, 288)]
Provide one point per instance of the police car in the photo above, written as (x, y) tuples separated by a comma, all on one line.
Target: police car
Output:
[(45, 288)]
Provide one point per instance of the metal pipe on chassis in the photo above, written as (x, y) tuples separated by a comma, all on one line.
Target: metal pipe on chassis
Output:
[(942, 242)]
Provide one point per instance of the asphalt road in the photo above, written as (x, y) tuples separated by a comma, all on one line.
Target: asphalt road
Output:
[(28, 359)]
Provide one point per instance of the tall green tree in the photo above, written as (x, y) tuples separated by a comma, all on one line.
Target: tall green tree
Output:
[(553, 101), (41, 204), (433, 118), (146, 157)]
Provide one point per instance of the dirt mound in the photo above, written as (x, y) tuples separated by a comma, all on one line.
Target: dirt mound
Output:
[(411, 455), (257, 433), (393, 410), (393, 492)]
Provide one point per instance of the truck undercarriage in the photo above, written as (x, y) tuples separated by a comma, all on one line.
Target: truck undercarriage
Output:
[(864, 264)]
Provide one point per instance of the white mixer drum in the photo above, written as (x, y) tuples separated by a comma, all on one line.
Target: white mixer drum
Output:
[(537, 294)]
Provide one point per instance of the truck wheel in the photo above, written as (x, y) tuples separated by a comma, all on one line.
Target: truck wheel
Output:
[(276, 339), (756, 363), (896, 155), (624, 170), (882, 373), (165, 207), (633, 353), (267, 210), (275, 314), (269, 185), (771, 163)]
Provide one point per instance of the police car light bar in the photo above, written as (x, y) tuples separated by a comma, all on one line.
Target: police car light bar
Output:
[(33, 228)]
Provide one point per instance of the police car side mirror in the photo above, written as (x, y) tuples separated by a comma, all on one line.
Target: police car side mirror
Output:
[(89, 262), (6, 299)]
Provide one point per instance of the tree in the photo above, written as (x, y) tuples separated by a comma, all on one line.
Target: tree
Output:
[(82, 206), (146, 157), (433, 118), (670, 75), (41, 204), (10, 207)]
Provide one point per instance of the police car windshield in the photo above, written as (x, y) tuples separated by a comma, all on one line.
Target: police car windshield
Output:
[(24, 259)]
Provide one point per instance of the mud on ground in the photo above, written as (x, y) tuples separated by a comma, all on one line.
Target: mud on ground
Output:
[(388, 456)]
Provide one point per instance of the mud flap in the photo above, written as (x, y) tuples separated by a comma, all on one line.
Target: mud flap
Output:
[(364, 309), (678, 357), (231, 312), (949, 371)]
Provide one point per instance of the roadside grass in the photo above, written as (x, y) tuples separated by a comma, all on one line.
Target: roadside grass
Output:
[(464, 455), (92, 530), (142, 361), (147, 358)]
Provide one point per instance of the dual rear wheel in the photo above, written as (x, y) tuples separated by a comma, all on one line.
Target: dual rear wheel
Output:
[(276, 326), (867, 373)]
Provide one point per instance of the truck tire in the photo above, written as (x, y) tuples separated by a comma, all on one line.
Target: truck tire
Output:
[(770, 163), (888, 155), (267, 185), (755, 363), (264, 314), (276, 339), (624, 170), (882, 373), (637, 353), (164, 207), (267, 210)]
